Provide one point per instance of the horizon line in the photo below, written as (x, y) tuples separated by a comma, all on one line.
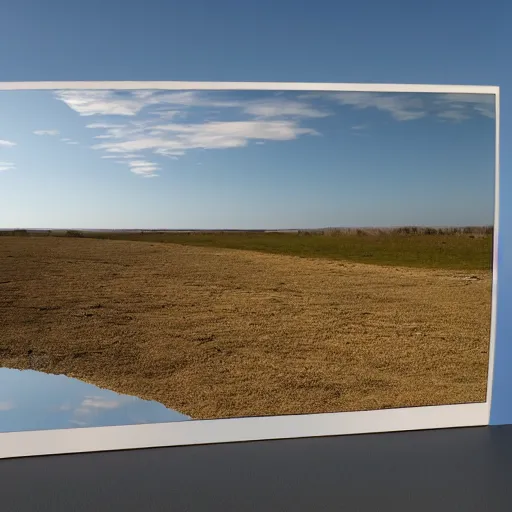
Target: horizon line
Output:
[(398, 226)]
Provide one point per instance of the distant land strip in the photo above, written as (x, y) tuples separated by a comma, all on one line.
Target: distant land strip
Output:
[(456, 248)]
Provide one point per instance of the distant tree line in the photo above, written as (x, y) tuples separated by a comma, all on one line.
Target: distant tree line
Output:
[(25, 232), (74, 233), (404, 230)]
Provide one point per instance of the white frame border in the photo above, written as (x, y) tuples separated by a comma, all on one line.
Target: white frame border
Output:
[(196, 432)]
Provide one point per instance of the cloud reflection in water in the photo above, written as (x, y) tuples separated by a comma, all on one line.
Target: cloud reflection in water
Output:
[(31, 400)]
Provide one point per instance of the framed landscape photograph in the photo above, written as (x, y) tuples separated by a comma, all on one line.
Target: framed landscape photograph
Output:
[(188, 263)]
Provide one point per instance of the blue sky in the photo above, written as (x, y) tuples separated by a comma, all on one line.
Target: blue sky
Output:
[(244, 159), (460, 42), (325, 41)]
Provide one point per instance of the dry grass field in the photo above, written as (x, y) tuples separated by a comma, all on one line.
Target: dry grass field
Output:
[(214, 332)]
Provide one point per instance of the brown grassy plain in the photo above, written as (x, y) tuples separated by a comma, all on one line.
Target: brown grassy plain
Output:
[(220, 333)]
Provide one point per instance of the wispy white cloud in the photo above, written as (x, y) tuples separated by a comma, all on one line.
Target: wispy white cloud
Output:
[(123, 103), (130, 103), (459, 107), (282, 108), (98, 402), (101, 126), (6, 406), (412, 106), (140, 167), (175, 139), (6, 143), (402, 107), (47, 132), (455, 107), (143, 168), (124, 155), (89, 103), (164, 123), (360, 130), (92, 406), (7, 166), (166, 114), (274, 118)]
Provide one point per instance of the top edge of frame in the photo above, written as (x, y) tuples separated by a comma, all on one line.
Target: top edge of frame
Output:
[(278, 86)]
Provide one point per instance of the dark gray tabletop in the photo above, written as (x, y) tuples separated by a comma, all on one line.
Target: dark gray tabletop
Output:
[(465, 470)]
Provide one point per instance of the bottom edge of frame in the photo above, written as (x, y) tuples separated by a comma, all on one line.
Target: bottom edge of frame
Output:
[(187, 433)]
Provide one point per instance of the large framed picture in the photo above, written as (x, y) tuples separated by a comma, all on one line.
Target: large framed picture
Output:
[(187, 263)]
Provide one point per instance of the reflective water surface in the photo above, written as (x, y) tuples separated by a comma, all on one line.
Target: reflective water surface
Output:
[(31, 400)]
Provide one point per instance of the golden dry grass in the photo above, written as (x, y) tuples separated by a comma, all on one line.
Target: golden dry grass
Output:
[(223, 333)]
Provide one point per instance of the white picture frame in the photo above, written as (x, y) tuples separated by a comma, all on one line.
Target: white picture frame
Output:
[(196, 432)]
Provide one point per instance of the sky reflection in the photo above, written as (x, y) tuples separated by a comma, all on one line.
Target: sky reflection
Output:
[(31, 400)]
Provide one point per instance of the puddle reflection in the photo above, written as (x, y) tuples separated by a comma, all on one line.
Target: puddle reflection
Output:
[(31, 400)]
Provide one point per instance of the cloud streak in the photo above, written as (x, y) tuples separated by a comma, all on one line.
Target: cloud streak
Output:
[(258, 120), (131, 103), (404, 107), (51, 133), (463, 106), (279, 108), (6, 143), (93, 404), (150, 124), (99, 126), (98, 402), (410, 106), (174, 140), (143, 168), (7, 166)]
